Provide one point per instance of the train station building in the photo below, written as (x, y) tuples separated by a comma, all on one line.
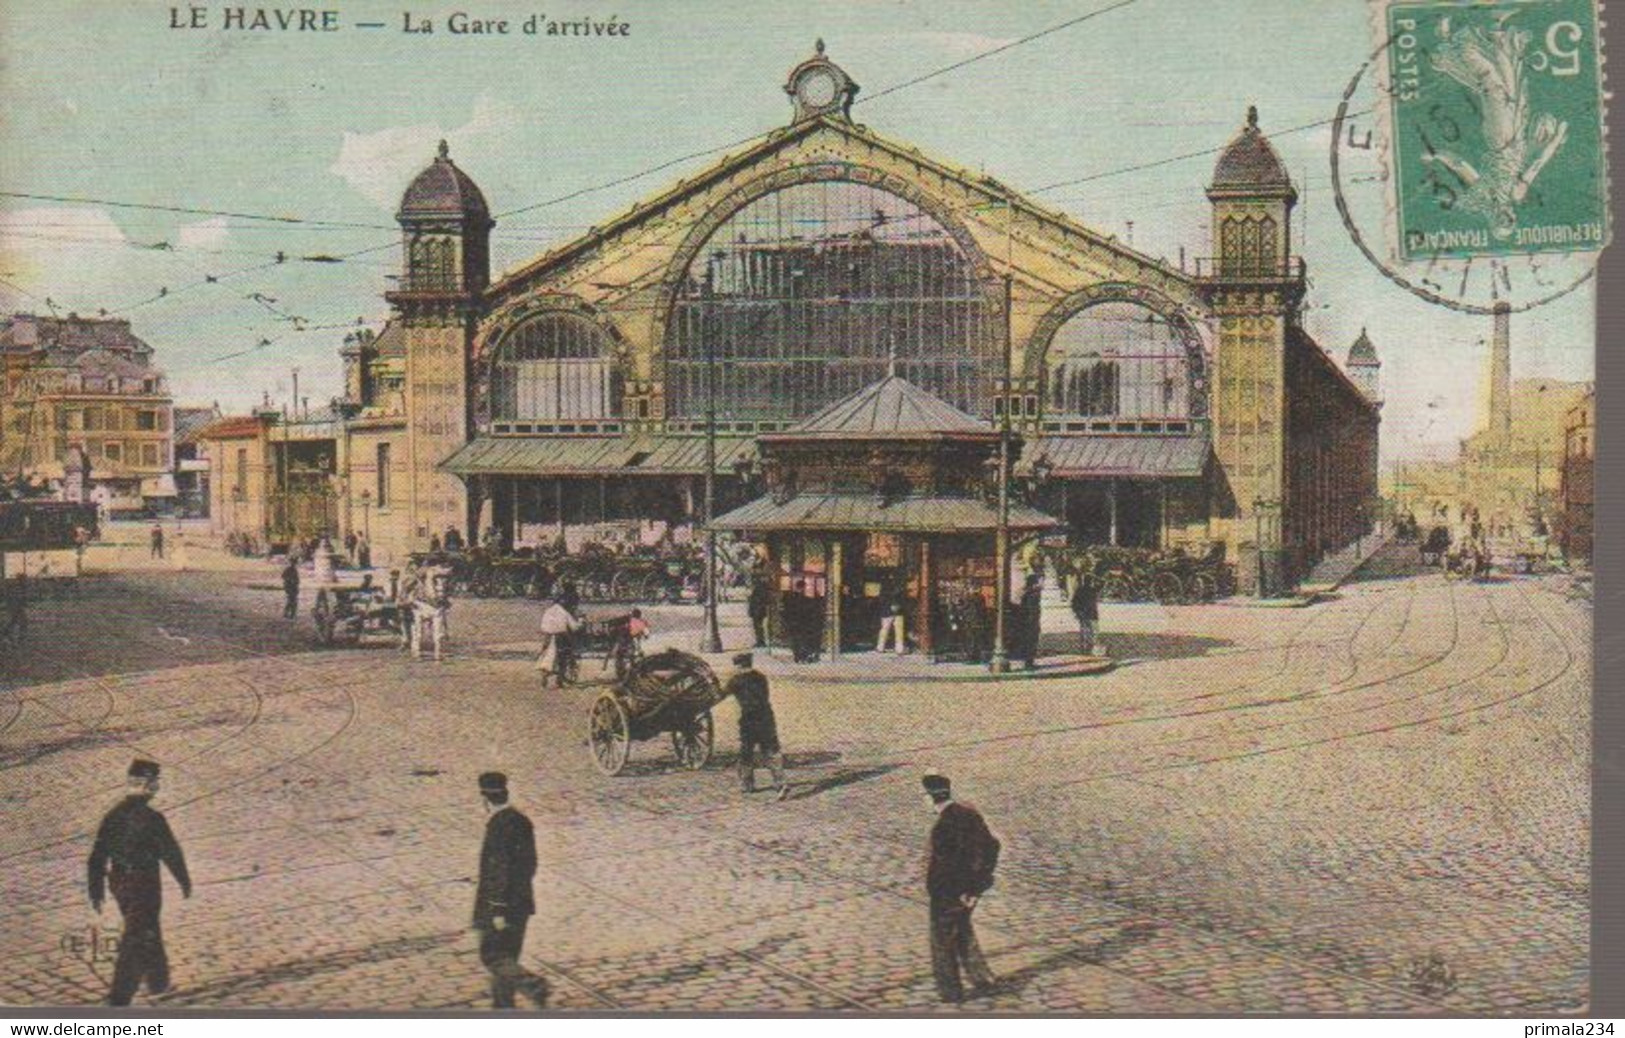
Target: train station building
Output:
[(1159, 405)]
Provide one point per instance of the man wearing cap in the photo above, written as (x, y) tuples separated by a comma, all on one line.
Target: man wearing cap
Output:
[(758, 729), (503, 902), (132, 841), (963, 855)]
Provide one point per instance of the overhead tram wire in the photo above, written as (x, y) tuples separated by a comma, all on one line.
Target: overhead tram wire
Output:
[(615, 182), (193, 210), (917, 80)]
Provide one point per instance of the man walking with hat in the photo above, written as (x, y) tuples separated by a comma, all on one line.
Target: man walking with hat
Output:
[(758, 729), (131, 842), (963, 855), (503, 902)]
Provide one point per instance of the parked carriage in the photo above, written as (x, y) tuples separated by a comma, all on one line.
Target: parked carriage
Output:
[(670, 693), (346, 614), (597, 573), (1148, 575), (1434, 548)]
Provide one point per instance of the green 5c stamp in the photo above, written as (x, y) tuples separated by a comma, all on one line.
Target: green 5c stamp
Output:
[(1496, 144)]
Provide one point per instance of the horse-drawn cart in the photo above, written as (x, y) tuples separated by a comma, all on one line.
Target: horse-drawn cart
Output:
[(668, 693), (345, 613)]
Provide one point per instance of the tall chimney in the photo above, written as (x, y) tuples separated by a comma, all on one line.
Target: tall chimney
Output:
[(1500, 428)]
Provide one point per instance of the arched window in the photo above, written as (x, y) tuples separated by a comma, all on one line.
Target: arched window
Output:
[(555, 367), (1247, 246), (432, 264), (1119, 360), (808, 294)]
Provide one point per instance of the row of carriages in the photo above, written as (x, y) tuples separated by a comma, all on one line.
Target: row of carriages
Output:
[(597, 575)]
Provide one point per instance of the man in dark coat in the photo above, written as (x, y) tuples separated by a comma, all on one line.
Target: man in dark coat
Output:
[(132, 841), (796, 609), (761, 599), (758, 729), (1086, 609), (503, 902), (963, 855), (1029, 615), (290, 589)]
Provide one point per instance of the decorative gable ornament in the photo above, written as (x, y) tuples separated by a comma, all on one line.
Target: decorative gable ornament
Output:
[(819, 87)]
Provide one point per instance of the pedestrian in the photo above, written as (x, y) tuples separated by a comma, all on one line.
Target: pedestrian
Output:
[(290, 589), (1086, 609), (157, 541), (350, 543), (503, 900), (893, 622), (793, 610), (454, 539), (758, 729), (1030, 620), (559, 622), (363, 553), (434, 544), (430, 604), (959, 870), (758, 605), (130, 844)]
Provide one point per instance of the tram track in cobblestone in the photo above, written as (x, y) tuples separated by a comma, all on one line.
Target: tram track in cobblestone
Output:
[(1338, 689), (1499, 815), (1379, 730)]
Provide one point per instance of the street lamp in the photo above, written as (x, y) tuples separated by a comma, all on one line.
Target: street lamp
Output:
[(711, 639), (366, 514), (1000, 663)]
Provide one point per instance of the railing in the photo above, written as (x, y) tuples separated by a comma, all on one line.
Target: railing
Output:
[(1218, 268)]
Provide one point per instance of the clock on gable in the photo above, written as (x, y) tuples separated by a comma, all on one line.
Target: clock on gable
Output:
[(818, 86)]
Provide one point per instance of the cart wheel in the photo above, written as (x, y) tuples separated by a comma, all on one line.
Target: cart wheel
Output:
[(693, 745), (621, 586), (1116, 588), (1204, 588), (609, 734), (323, 612), (1167, 588)]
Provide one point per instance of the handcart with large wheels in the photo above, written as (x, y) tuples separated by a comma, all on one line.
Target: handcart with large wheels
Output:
[(669, 693)]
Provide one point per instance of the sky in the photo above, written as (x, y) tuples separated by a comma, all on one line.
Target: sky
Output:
[(108, 102)]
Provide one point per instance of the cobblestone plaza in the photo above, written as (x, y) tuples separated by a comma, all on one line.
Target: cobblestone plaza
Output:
[(1376, 803)]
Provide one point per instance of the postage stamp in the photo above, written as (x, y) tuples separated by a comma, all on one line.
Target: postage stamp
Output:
[(1496, 118)]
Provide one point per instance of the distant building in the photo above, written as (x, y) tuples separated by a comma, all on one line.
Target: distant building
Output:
[(79, 384), (1364, 367), (1574, 493), (234, 449), (191, 465)]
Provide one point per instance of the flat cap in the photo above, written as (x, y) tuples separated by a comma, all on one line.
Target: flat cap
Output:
[(493, 782), (143, 769), (935, 783), (744, 659)]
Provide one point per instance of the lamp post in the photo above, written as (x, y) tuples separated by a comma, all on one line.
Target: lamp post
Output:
[(366, 514), (1000, 663), (1265, 583), (711, 639)]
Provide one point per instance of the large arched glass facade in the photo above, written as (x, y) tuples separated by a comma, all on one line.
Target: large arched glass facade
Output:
[(809, 293), (1120, 360), (555, 367)]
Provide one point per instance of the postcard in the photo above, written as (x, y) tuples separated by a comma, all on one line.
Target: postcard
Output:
[(1082, 507)]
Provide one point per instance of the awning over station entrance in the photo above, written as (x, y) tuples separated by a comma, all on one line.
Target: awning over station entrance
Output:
[(593, 455), (841, 512), (1126, 456)]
